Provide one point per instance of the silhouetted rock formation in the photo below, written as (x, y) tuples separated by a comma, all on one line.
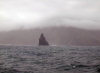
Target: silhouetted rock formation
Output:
[(42, 40)]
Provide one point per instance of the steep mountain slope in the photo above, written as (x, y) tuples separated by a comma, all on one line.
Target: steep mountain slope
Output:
[(55, 36)]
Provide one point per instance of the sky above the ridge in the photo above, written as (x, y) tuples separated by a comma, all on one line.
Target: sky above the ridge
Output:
[(30, 13)]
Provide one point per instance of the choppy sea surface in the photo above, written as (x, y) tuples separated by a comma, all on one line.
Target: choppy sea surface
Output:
[(51, 59)]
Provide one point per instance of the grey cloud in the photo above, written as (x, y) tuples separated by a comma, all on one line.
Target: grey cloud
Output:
[(79, 13)]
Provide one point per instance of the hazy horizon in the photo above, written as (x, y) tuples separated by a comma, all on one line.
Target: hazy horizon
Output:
[(36, 13)]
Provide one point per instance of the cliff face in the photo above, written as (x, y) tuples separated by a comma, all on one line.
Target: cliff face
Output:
[(54, 35)]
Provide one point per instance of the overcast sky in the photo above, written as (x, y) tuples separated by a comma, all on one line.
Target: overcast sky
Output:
[(28, 13)]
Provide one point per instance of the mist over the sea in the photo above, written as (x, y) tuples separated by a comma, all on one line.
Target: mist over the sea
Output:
[(15, 14)]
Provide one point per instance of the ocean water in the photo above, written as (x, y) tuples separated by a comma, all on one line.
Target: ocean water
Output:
[(51, 59)]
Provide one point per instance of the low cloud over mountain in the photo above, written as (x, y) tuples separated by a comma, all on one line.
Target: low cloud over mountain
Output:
[(30, 13), (55, 36)]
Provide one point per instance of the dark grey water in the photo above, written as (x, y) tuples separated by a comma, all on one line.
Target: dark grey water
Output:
[(50, 59)]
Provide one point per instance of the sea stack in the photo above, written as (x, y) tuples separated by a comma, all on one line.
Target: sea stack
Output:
[(43, 41)]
